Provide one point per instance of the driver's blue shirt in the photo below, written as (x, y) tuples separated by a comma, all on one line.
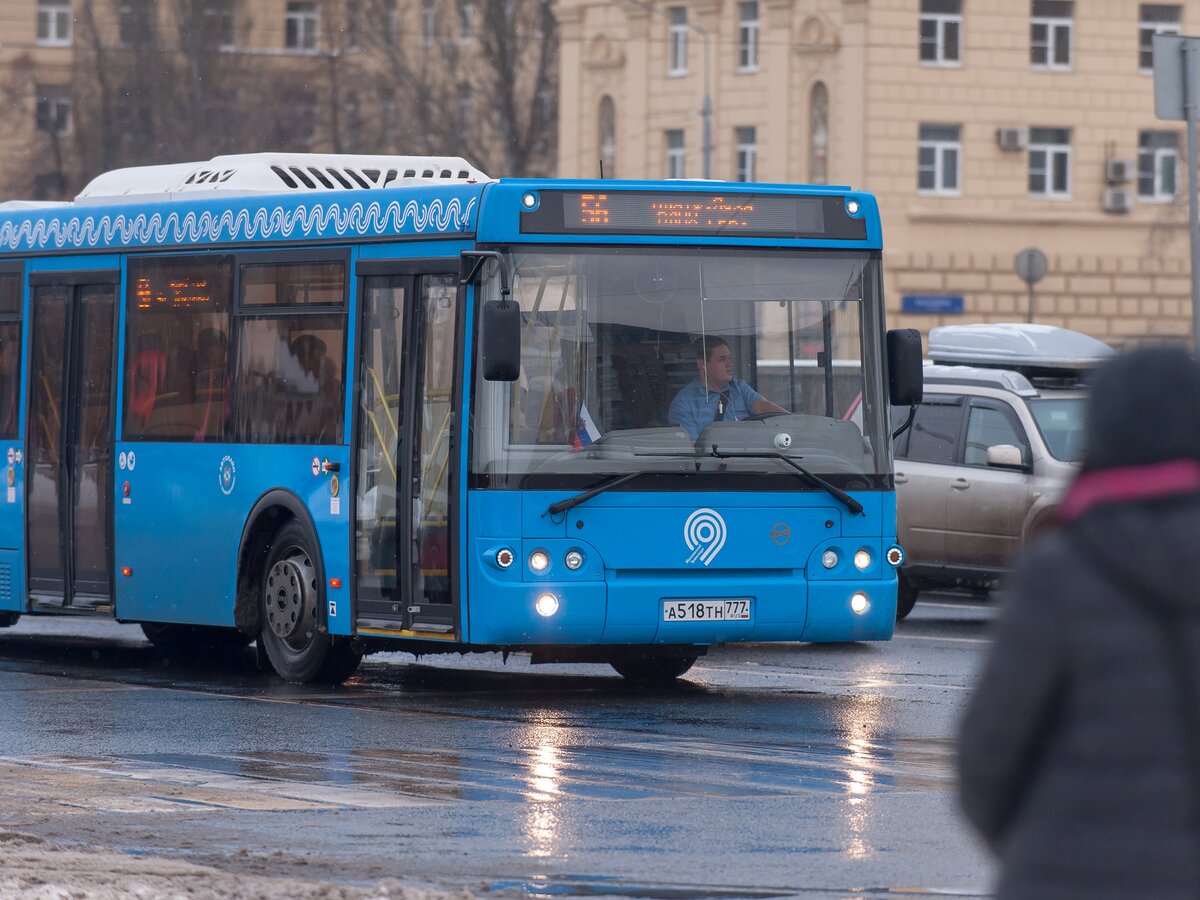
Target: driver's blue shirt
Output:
[(695, 405)]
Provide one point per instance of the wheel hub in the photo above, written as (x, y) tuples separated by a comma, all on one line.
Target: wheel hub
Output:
[(289, 597)]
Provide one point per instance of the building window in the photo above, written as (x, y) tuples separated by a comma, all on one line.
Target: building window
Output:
[(1155, 18), (608, 137), (1050, 29), (54, 109), (428, 23), (303, 26), (748, 36), (939, 153), (677, 40), (135, 23), (466, 20), (1158, 164), (818, 134), (353, 29), (1050, 162), (747, 154), (218, 23), (676, 155), (54, 23), (941, 29)]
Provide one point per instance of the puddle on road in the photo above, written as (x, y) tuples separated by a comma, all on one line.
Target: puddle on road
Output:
[(600, 886)]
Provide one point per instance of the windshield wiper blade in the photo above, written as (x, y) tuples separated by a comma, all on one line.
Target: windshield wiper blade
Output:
[(853, 505), (571, 502)]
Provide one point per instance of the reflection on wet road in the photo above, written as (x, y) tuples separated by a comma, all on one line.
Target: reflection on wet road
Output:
[(769, 771)]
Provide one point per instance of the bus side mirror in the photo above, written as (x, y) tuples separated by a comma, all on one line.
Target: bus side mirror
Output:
[(501, 326), (905, 376)]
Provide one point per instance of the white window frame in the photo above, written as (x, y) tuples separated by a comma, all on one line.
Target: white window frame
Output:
[(1055, 26), (942, 21), (54, 23), (676, 153), (303, 23), (1051, 152), (1147, 29), (1157, 156), (677, 41), (222, 19), (941, 149), (748, 33), (746, 154)]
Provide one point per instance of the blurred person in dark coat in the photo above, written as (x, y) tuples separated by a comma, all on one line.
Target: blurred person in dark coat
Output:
[(1080, 749)]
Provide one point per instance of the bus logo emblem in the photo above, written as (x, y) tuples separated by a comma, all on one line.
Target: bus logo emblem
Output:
[(227, 475), (704, 533)]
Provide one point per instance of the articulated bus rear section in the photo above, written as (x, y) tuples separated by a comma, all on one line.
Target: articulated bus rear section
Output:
[(422, 410)]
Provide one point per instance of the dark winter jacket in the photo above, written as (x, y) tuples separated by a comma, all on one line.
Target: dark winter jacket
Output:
[(1080, 755)]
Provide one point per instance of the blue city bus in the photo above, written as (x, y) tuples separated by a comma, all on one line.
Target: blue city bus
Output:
[(346, 404)]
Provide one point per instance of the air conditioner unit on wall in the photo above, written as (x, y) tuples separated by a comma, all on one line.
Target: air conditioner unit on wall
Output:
[(1012, 138), (1117, 200), (1118, 171)]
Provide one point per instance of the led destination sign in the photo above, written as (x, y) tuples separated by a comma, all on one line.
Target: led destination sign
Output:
[(677, 212)]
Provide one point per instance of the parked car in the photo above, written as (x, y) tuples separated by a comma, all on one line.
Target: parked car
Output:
[(990, 450)]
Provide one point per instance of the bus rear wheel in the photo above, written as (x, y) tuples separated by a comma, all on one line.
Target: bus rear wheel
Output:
[(294, 637), (652, 669)]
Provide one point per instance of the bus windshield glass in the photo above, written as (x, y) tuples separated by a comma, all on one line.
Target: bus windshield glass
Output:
[(643, 360)]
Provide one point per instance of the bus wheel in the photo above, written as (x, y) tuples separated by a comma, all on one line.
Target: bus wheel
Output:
[(906, 595), (653, 669), (299, 649)]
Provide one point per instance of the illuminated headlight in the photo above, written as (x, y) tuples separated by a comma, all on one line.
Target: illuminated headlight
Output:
[(862, 560), (546, 605), (829, 559), (539, 560), (859, 603), (504, 557), (573, 559)]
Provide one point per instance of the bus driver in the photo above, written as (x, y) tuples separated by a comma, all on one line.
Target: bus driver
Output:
[(716, 394)]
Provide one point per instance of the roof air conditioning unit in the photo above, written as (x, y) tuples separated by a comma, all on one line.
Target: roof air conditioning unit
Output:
[(1117, 200), (1012, 138), (1118, 171)]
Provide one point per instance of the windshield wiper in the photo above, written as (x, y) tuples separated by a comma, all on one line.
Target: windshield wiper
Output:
[(853, 505), (571, 502)]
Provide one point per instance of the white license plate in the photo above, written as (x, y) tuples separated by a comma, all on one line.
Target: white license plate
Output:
[(737, 610)]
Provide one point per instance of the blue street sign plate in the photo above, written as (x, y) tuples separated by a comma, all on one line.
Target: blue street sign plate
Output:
[(942, 304)]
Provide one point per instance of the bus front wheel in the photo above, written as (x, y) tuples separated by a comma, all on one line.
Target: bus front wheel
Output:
[(296, 642), (652, 669), (906, 595)]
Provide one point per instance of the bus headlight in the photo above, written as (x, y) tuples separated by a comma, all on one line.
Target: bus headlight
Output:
[(546, 605), (573, 559), (539, 560), (859, 603), (829, 559), (862, 560)]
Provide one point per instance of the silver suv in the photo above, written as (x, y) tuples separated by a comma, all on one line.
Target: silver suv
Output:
[(992, 447)]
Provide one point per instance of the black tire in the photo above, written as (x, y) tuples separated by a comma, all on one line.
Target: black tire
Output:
[(652, 669), (9, 619), (293, 633), (906, 595)]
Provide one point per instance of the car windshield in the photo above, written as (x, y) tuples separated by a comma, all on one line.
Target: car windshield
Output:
[(1060, 420), (638, 360)]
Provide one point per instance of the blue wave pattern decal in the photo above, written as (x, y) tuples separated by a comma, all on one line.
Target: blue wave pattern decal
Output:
[(68, 229)]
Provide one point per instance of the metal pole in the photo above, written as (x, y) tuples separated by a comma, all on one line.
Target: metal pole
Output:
[(1030, 319), (706, 114), (1191, 83)]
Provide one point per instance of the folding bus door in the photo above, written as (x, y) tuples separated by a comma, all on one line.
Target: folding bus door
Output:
[(405, 472), (69, 447)]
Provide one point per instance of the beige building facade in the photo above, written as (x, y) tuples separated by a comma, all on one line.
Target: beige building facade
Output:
[(983, 129)]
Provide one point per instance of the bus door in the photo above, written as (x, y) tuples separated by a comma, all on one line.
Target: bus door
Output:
[(69, 447), (406, 475)]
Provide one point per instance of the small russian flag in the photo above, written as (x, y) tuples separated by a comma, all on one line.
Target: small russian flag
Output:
[(586, 432)]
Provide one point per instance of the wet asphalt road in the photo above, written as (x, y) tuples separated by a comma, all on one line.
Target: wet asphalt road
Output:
[(768, 771)]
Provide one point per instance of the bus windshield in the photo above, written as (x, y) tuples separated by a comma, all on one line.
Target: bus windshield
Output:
[(642, 360)]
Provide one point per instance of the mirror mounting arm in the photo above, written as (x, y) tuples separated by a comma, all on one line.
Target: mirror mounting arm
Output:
[(477, 258), (912, 411)]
